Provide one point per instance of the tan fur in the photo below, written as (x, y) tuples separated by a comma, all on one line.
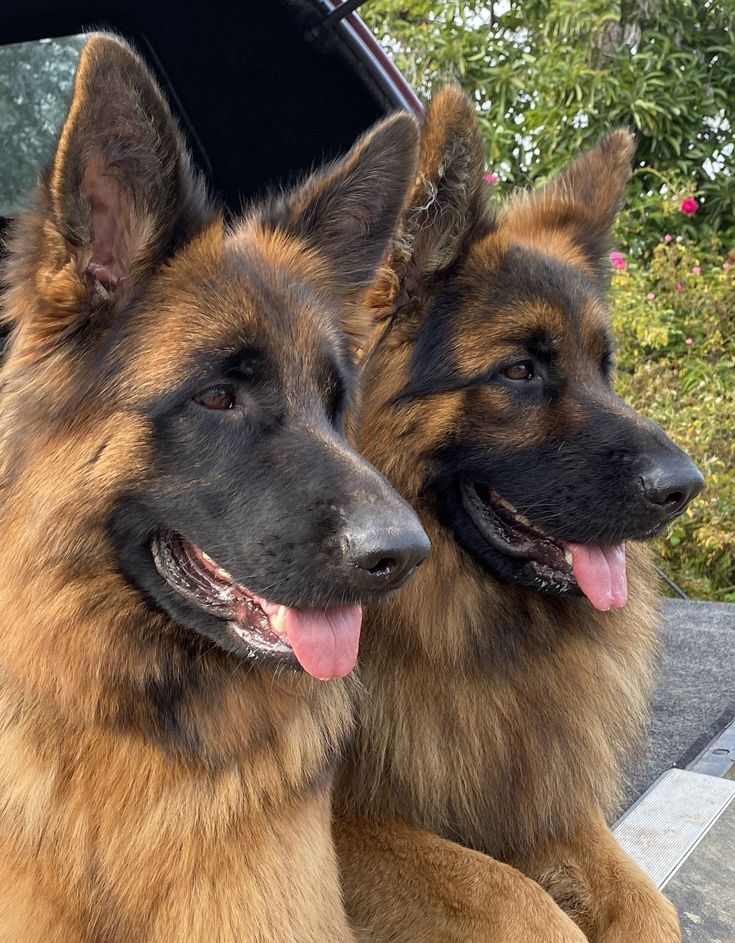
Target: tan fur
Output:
[(100, 819), (450, 894), (153, 787), (494, 718)]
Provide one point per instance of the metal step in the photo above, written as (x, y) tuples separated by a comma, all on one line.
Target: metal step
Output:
[(718, 757), (682, 834)]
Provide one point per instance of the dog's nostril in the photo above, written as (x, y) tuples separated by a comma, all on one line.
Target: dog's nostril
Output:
[(671, 485), (378, 562), (383, 567), (383, 552)]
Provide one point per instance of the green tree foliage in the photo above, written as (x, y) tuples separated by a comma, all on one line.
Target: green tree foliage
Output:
[(35, 84), (550, 76)]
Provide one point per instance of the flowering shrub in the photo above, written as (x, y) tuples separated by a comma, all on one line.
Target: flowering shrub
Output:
[(670, 213), (676, 363), (618, 260), (549, 77), (689, 206)]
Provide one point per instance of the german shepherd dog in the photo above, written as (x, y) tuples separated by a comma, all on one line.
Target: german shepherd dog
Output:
[(508, 682), (186, 538)]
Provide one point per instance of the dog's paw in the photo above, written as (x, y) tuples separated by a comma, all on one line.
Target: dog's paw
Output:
[(568, 932), (543, 922), (654, 925), (619, 933)]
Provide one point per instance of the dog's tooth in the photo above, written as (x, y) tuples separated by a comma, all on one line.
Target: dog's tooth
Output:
[(278, 622), (568, 556), (207, 559), (223, 574), (506, 504), (523, 519)]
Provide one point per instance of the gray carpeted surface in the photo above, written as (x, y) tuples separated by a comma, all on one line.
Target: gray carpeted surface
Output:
[(695, 692)]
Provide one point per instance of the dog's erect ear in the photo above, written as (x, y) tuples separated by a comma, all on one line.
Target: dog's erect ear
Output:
[(449, 196), (120, 183), (580, 204), (348, 212)]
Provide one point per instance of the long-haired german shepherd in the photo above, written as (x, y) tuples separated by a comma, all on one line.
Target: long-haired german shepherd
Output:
[(181, 525), (508, 682)]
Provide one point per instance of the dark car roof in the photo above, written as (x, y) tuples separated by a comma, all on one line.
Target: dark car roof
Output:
[(261, 97)]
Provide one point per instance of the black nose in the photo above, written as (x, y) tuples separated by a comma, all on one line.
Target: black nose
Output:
[(384, 549), (670, 484)]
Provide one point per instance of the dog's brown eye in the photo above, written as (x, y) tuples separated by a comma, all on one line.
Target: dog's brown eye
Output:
[(519, 371), (216, 397)]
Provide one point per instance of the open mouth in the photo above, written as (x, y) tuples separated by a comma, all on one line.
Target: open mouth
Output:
[(561, 567), (323, 641)]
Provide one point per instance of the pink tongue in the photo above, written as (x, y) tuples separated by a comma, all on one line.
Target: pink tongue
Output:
[(325, 641), (600, 574)]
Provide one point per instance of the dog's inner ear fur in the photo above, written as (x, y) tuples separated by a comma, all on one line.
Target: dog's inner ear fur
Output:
[(446, 208), (112, 224), (448, 200), (578, 207), (120, 177)]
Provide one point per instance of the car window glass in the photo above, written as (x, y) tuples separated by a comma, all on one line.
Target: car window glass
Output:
[(35, 86)]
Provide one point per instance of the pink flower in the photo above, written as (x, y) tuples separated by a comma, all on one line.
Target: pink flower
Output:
[(668, 237), (696, 270), (650, 296), (491, 178), (726, 265), (680, 239), (689, 206), (618, 260), (689, 341), (679, 286)]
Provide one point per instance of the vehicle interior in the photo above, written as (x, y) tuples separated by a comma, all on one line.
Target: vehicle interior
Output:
[(275, 103), (272, 104)]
